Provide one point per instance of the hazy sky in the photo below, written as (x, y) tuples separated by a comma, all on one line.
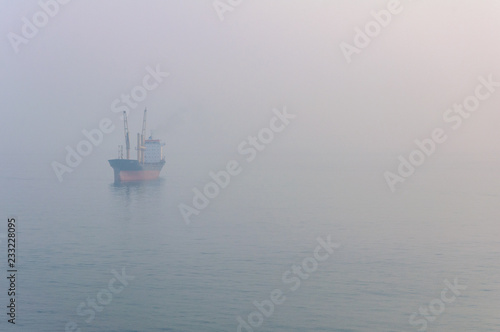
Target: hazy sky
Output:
[(227, 75)]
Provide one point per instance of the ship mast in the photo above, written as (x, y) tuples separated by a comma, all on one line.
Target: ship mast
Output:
[(127, 141), (143, 135)]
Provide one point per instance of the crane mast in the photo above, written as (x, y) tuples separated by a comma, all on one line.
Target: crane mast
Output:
[(143, 135), (127, 140)]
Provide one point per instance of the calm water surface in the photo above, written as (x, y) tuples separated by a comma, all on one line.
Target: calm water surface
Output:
[(396, 250)]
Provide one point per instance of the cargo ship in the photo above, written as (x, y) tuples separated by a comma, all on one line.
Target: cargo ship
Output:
[(150, 160)]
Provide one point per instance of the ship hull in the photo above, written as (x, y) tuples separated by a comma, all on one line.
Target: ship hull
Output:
[(127, 170)]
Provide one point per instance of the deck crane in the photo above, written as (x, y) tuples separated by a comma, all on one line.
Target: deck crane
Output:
[(143, 135), (127, 140)]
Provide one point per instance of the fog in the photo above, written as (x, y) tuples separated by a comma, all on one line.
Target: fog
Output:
[(289, 126), (225, 77)]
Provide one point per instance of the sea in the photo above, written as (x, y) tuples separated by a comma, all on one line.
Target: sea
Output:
[(290, 243)]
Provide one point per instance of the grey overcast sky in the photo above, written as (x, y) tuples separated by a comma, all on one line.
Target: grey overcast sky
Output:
[(227, 75)]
